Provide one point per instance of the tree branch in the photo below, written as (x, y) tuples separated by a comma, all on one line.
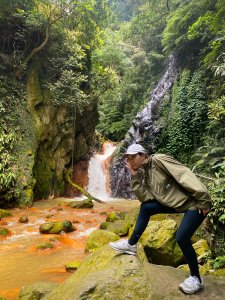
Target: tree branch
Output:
[(167, 5), (43, 44), (82, 190)]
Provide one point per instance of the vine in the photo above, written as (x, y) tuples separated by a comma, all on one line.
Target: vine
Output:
[(184, 128)]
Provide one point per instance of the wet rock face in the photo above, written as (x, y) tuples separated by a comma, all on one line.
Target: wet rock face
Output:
[(61, 138), (146, 127)]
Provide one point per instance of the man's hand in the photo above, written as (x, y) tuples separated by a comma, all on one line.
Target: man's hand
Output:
[(203, 211), (131, 170)]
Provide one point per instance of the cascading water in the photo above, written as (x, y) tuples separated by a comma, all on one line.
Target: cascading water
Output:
[(97, 185), (145, 128)]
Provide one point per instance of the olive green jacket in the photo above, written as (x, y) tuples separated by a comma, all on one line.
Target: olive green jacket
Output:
[(163, 178)]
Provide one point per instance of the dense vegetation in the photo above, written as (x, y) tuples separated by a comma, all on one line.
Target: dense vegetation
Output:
[(46, 48), (138, 42), (112, 53)]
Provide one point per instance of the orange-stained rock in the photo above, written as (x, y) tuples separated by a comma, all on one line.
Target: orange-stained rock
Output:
[(80, 176)]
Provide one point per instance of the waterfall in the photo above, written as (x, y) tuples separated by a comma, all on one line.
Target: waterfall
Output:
[(145, 128), (97, 185)]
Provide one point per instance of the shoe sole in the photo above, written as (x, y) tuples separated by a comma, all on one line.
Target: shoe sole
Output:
[(124, 251), (189, 293)]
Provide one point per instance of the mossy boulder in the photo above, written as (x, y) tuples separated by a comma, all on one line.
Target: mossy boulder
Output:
[(23, 219), (201, 248), (72, 265), (56, 227), (205, 269), (5, 232), (86, 203), (104, 225), (219, 272), (45, 246), (107, 274), (119, 227), (36, 291), (131, 217), (112, 217), (159, 243), (4, 213), (98, 238)]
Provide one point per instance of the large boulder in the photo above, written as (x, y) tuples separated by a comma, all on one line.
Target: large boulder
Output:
[(113, 216), (86, 203), (201, 247), (120, 223), (130, 218), (98, 238), (108, 274), (159, 243), (56, 227), (119, 227), (36, 290)]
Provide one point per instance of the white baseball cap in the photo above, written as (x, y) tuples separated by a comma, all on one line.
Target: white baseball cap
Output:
[(135, 149)]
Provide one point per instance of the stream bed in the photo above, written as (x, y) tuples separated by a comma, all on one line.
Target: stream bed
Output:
[(21, 263)]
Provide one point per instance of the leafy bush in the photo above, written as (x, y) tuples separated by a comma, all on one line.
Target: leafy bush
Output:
[(219, 263), (7, 167), (184, 128), (217, 189), (217, 213)]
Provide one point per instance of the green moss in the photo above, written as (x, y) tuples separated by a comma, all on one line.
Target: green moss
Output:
[(56, 227), (47, 181), (104, 225), (4, 213), (44, 246), (98, 238), (4, 231), (112, 217), (72, 265)]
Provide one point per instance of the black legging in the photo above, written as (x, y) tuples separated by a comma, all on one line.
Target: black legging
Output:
[(190, 222)]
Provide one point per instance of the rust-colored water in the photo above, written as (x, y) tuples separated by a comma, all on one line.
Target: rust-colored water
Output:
[(22, 264)]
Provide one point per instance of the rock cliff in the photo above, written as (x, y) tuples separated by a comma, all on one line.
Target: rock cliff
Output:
[(145, 128)]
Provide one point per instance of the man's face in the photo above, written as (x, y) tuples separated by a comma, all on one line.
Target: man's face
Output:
[(135, 161)]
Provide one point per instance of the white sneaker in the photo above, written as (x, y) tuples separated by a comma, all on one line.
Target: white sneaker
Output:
[(191, 285), (124, 247)]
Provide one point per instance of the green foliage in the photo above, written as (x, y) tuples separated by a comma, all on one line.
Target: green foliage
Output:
[(184, 128), (126, 69), (217, 188), (33, 25), (219, 263), (8, 139), (67, 91), (216, 111), (7, 175), (201, 29), (175, 35), (214, 57), (123, 10)]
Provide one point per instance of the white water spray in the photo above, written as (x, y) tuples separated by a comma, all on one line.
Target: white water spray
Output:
[(97, 186)]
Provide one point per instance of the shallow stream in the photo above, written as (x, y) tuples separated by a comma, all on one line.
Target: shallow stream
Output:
[(21, 263)]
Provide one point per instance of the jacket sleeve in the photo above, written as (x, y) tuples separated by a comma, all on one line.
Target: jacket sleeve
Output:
[(186, 178), (140, 189)]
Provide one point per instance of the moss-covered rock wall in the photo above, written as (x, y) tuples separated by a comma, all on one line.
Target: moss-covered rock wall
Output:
[(60, 136), (46, 137)]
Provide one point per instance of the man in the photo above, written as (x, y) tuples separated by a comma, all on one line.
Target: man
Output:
[(164, 185)]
